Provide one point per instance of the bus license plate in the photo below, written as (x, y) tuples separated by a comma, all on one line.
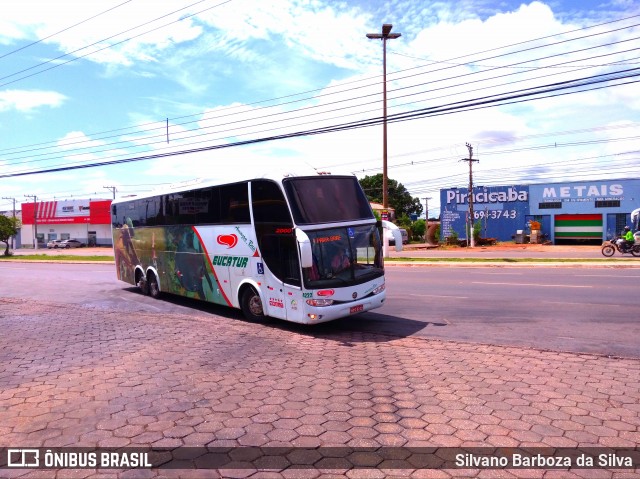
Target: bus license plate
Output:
[(356, 309)]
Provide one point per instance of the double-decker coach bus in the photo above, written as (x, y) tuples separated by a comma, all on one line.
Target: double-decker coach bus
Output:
[(301, 248)]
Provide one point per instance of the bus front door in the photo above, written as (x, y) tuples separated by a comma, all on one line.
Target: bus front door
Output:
[(293, 302)]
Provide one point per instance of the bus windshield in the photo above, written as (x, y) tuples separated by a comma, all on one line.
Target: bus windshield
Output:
[(344, 256), (635, 219), (327, 199)]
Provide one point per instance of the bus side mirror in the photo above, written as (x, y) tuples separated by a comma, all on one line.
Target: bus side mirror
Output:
[(397, 239), (304, 243)]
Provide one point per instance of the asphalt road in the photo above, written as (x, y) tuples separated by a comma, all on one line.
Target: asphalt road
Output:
[(583, 309), (590, 310)]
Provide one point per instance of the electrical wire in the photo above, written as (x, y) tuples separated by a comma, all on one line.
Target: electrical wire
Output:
[(106, 47), (31, 156), (40, 40), (494, 49), (524, 95), (457, 106)]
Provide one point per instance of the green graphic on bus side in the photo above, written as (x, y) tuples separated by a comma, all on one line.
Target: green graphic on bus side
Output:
[(175, 252)]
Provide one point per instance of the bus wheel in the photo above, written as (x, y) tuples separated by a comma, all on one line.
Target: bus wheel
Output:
[(152, 282), (142, 284), (251, 305)]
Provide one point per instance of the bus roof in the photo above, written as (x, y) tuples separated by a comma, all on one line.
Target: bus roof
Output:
[(205, 182)]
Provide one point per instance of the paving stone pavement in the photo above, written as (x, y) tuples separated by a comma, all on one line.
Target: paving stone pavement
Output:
[(73, 376)]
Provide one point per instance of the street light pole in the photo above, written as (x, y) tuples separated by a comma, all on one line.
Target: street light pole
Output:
[(384, 36), (470, 239), (426, 216)]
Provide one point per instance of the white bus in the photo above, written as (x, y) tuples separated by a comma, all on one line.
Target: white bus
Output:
[(300, 248)]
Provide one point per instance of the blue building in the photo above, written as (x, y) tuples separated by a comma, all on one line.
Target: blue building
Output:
[(568, 212)]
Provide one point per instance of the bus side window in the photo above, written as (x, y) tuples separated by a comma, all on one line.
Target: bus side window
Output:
[(234, 203), (114, 217), (209, 209)]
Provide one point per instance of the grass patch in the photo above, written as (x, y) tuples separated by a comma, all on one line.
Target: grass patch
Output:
[(62, 257)]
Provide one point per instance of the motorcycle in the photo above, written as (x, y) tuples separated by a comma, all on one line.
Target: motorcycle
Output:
[(609, 247)]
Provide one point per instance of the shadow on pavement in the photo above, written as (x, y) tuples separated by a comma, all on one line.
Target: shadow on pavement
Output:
[(381, 327)]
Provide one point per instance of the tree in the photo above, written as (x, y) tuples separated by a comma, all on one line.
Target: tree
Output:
[(8, 228), (419, 227), (399, 198)]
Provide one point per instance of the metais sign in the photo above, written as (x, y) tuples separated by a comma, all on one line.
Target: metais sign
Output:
[(582, 191)]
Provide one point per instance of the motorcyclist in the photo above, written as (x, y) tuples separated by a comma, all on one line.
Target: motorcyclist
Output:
[(627, 235)]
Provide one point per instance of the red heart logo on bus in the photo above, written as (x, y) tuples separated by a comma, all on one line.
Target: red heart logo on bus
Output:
[(228, 240)]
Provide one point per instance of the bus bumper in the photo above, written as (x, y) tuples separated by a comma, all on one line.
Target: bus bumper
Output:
[(315, 315)]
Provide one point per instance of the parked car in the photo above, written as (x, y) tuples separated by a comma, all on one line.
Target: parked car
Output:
[(405, 237), (71, 243), (54, 244)]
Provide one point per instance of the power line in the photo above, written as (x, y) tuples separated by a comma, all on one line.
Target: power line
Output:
[(462, 106), (229, 123), (453, 107), (529, 41), (106, 47), (63, 30)]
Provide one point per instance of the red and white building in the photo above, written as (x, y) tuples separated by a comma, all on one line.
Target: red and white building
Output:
[(86, 220)]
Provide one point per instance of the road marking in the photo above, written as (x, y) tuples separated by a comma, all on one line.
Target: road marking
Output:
[(561, 302), (500, 274), (564, 303), (535, 284), (606, 276), (439, 296)]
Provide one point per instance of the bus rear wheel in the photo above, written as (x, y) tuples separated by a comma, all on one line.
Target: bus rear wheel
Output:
[(141, 282), (152, 285), (251, 305)]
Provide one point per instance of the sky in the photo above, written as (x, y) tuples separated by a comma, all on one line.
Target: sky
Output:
[(540, 91)]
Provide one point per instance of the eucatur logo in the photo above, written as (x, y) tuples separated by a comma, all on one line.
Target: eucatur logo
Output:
[(228, 240)]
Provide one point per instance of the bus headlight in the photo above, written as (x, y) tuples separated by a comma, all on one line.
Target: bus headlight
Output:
[(319, 302), (379, 289)]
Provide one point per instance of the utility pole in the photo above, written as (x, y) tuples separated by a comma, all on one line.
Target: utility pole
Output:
[(426, 216), (113, 190), (470, 160), (35, 219), (384, 36), (14, 217)]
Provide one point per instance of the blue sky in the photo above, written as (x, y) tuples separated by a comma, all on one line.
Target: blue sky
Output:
[(85, 82)]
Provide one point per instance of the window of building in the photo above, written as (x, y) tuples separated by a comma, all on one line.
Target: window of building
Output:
[(608, 204), (550, 206), (621, 222)]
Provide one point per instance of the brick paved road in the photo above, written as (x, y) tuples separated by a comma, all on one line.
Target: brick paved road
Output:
[(82, 377)]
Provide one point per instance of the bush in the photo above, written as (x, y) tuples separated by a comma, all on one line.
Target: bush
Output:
[(452, 239)]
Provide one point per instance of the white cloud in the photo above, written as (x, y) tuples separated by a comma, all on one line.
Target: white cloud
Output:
[(248, 50), (26, 101), (77, 139), (62, 23)]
